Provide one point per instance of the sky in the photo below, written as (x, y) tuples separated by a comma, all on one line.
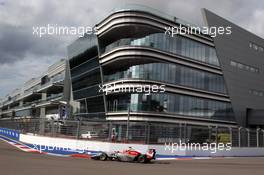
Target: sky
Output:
[(24, 55)]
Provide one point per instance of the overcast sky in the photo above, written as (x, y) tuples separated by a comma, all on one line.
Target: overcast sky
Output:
[(24, 55)]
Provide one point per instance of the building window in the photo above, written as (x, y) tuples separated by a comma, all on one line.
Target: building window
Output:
[(177, 45), (244, 67), (172, 104), (170, 73), (256, 92), (234, 64), (256, 47)]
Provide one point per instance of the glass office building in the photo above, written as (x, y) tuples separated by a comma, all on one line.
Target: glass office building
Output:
[(206, 82), (131, 48)]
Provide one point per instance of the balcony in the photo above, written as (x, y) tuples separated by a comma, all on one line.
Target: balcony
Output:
[(53, 82), (179, 45)]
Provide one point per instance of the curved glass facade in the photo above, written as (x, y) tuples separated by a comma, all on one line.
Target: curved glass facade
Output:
[(172, 104), (86, 69), (86, 77), (178, 45), (173, 74)]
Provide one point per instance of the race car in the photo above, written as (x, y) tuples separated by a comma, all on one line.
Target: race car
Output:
[(129, 155)]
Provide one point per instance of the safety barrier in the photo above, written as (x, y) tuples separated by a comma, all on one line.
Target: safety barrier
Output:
[(81, 148), (10, 133)]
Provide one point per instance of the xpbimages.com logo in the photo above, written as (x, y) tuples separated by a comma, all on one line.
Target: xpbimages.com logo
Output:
[(122, 88), (68, 147), (212, 147), (191, 30), (54, 29)]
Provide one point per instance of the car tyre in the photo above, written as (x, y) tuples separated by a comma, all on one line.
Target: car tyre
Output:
[(103, 157), (142, 159)]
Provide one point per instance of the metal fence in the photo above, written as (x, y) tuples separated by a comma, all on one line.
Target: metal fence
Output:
[(138, 132)]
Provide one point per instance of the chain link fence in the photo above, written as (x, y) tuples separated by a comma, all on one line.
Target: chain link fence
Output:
[(138, 132)]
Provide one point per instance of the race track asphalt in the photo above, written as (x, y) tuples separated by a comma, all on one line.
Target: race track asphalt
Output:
[(16, 162)]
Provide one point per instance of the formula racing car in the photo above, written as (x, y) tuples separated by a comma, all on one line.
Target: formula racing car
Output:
[(129, 155)]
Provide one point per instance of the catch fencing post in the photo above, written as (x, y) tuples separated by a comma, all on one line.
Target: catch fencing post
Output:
[(78, 130), (185, 132), (128, 120), (263, 137), (248, 134), (216, 133), (52, 128), (239, 137), (180, 129), (257, 132), (109, 131), (231, 136), (210, 133), (148, 129)]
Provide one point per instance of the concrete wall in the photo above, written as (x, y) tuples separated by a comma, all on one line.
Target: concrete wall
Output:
[(162, 150), (74, 146)]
